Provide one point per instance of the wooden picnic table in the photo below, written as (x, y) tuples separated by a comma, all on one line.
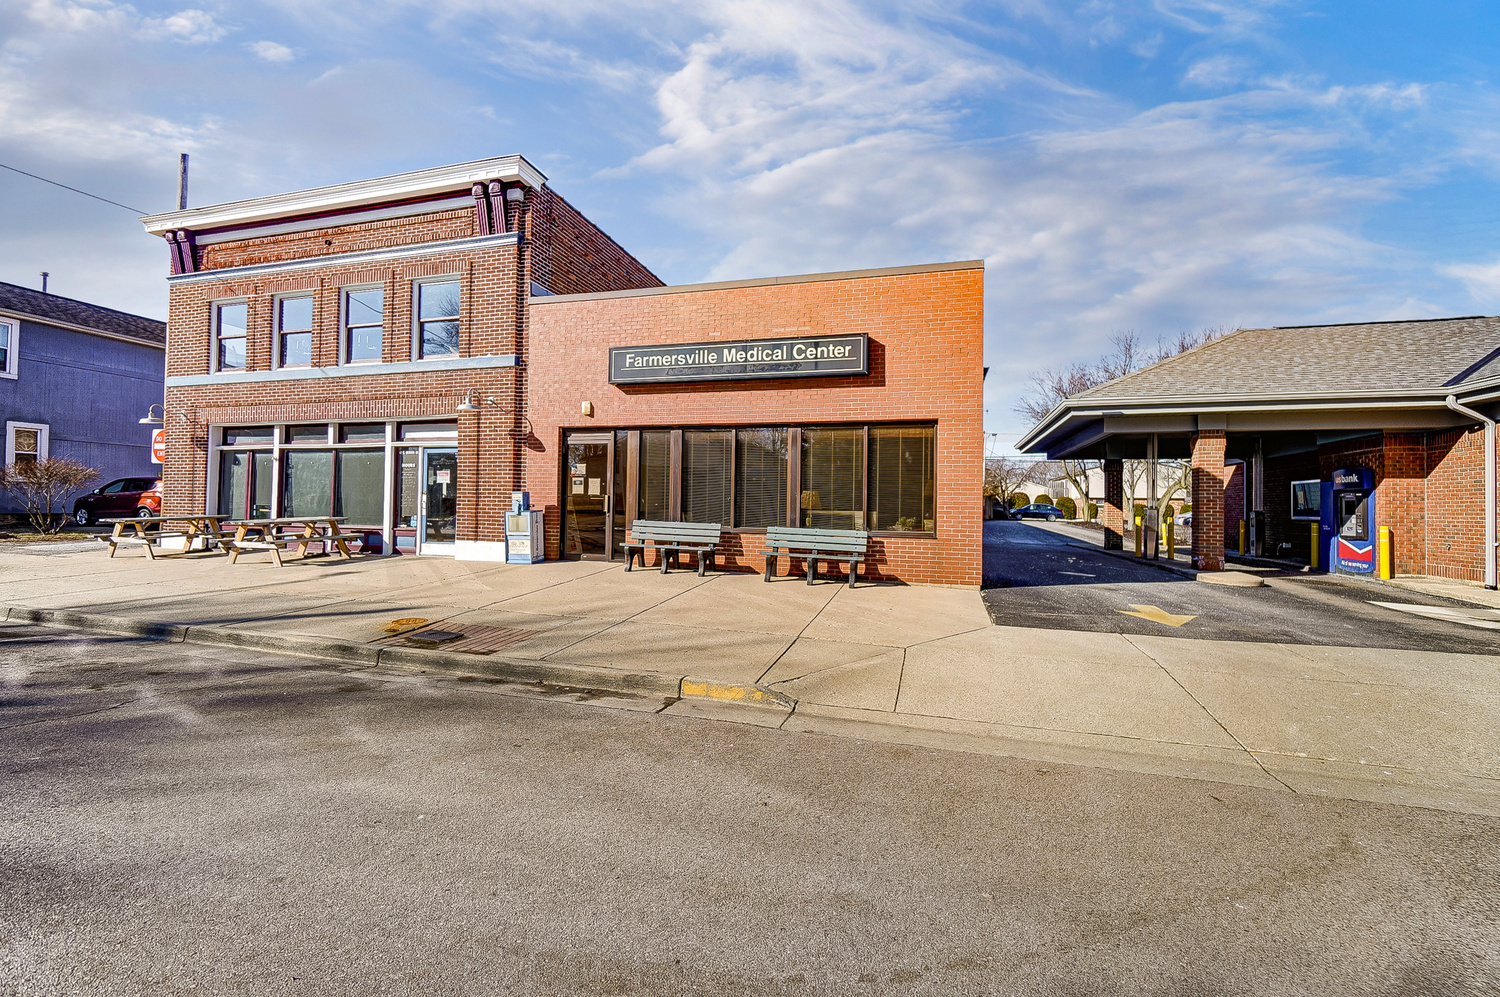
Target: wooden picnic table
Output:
[(132, 532), (315, 529)]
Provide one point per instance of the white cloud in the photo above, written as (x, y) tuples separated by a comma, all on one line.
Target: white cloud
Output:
[(271, 51), (191, 26), (1481, 279), (1216, 71)]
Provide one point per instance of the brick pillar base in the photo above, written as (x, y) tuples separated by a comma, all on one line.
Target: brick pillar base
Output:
[(1209, 478), (1112, 512)]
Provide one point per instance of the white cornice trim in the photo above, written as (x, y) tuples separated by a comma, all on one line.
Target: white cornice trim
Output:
[(347, 370), (344, 196), (42, 320), (464, 200), (346, 259)]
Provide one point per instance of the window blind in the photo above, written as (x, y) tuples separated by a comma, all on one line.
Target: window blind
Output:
[(705, 475), (833, 479), (901, 459), (656, 474), (760, 472)]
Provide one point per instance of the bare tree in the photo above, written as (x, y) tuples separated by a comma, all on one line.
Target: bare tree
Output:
[(42, 485), (1002, 475)]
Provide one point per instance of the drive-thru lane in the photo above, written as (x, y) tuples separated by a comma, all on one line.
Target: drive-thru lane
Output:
[(1038, 578)]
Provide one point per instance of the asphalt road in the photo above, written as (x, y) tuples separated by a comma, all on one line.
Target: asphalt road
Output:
[(1037, 578), (177, 821)]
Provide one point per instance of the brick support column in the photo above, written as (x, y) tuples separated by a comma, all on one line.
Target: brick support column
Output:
[(1209, 478), (1401, 500), (1112, 512)]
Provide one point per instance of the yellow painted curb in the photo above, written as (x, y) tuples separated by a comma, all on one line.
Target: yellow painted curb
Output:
[(750, 695)]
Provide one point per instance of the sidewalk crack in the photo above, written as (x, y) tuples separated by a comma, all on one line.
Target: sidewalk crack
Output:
[(793, 642), (1232, 736)]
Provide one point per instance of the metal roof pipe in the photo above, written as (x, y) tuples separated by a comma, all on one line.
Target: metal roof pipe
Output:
[(1489, 487)]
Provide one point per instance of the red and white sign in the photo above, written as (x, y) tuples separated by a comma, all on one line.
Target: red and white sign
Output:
[(158, 445)]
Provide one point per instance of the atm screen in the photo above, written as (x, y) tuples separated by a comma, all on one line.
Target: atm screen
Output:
[(1352, 517)]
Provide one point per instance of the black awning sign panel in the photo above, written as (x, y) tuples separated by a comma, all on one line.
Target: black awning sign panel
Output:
[(813, 356)]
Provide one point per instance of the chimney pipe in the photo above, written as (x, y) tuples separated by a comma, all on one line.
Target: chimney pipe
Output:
[(182, 170), (44, 282)]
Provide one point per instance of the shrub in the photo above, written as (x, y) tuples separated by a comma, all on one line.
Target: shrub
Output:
[(40, 485), (1069, 507), (1019, 499), (1093, 510), (1139, 512), (1042, 499)]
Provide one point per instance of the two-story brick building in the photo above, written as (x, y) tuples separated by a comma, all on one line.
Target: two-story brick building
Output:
[(407, 351)]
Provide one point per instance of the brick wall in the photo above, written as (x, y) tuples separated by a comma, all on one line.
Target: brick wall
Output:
[(1454, 539), (1280, 472), (1235, 489), (926, 333), (1209, 475), (574, 257), (1112, 510)]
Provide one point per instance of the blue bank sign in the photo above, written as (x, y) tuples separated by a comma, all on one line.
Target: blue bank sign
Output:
[(814, 356)]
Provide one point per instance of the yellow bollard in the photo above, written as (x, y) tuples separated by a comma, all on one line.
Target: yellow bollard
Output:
[(1383, 553), (1140, 539), (1242, 538), (1171, 538), (1316, 537)]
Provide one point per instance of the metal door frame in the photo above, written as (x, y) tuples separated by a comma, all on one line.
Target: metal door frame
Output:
[(607, 438), (423, 547)]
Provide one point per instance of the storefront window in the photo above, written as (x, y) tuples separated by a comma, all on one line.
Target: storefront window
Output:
[(656, 475), (706, 463), (361, 481), (760, 478), (307, 483), (833, 485), (901, 459)]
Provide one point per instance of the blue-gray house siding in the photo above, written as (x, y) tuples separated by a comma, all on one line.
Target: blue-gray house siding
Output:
[(89, 390)]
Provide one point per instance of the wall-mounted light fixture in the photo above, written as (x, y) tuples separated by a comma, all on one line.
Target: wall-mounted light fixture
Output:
[(468, 404), (151, 419), (588, 409)]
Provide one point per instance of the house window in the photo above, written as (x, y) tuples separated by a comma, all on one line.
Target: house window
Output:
[(230, 321), (364, 325), (294, 324), (25, 442), (8, 344), (437, 318)]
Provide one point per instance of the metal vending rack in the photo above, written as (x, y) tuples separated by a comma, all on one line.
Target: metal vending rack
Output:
[(524, 543)]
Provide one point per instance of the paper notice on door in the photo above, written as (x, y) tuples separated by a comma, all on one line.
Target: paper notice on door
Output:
[(577, 484), (596, 486), (443, 477)]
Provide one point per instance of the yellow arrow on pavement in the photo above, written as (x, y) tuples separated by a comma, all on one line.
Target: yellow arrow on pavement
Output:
[(1156, 615)]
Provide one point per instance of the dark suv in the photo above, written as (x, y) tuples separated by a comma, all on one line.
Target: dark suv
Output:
[(121, 497)]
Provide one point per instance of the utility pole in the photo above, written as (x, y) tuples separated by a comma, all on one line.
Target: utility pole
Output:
[(182, 170)]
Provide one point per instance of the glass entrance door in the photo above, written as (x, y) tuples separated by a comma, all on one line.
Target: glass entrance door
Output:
[(588, 483), (436, 530)]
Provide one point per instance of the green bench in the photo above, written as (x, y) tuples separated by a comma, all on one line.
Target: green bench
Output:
[(671, 540), (834, 546)]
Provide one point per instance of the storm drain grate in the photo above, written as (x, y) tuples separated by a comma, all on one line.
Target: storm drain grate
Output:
[(467, 638)]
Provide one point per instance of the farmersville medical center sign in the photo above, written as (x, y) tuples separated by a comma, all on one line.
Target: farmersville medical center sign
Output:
[(814, 356)]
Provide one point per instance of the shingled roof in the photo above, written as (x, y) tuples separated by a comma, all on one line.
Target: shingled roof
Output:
[(51, 307), (1367, 357)]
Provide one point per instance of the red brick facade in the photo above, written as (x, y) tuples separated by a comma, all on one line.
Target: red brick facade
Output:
[(926, 342), (1112, 511), (540, 357)]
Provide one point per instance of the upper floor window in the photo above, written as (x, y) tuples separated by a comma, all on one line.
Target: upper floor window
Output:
[(294, 324), (7, 349), (230, 322), (364, 324), (437, 318)]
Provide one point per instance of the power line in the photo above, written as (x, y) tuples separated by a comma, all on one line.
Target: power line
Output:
[(73, 189)]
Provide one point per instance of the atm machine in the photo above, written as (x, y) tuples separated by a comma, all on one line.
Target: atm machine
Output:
[(1346, 521)]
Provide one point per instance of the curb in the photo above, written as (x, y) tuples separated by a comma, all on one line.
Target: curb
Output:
[(564, 675)]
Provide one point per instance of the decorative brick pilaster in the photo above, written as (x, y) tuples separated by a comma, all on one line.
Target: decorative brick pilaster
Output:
[(1209, 478), (1112, 512)]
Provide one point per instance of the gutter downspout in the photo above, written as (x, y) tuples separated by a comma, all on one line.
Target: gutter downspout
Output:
[(1489, 487)]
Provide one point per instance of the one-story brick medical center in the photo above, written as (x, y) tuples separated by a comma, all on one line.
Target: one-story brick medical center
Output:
[(407, 352)]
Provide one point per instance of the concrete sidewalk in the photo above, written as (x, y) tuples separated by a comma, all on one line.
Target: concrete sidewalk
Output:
[(894, 663)]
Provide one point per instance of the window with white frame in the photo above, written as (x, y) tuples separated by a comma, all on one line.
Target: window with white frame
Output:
[(364, 324), (26, 442), (230, 321), (294, 325), (437, 310), (9, 334)]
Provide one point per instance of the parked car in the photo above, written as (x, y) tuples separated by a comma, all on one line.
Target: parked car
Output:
[(1050, 513), (121, 497), (1184, 519)]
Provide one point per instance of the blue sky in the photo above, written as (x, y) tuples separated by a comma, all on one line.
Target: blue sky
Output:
[(1155, 166)]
